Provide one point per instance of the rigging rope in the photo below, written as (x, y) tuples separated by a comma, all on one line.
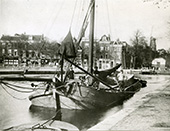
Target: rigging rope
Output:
[(80, 10), (57, 15), (69, 107), (58, 12), (46, 30), (96, 9), (73, 14), (110, 31)]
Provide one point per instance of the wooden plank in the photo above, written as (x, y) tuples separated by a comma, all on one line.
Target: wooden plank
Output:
[(28, 72), (25, 78), (6, 72)]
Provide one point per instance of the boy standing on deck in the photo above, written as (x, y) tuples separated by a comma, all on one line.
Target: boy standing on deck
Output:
[(120, 78)]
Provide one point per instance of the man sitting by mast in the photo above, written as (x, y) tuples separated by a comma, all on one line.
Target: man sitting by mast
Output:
[(70, 74), (95, 82)]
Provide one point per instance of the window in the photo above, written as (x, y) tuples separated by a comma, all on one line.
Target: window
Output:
[(101, 48), (15, 52), (3, 51), (15, 45), (10, 52), (100, 64), (158, 64), (9, 45), (107, 48), (86, 44), (33, 54), (111, 64)]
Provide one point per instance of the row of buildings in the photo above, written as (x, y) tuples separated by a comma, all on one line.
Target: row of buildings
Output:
[(21, 49)]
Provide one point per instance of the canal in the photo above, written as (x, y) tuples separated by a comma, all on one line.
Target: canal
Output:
[(16, 109)]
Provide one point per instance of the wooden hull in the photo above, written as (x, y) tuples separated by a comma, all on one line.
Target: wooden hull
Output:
[(82, 97)]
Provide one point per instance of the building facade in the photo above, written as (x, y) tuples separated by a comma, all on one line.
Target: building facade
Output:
[(19, 49), (107, 53)]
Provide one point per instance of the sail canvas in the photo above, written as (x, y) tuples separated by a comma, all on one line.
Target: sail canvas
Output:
[(67, 48)]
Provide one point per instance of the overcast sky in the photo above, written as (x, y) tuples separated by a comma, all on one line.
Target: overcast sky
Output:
[(53, 18)]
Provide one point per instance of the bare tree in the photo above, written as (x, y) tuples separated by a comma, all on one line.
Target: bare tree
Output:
[(138, 53)]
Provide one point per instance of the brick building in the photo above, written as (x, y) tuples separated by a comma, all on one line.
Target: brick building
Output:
[(18, 49)]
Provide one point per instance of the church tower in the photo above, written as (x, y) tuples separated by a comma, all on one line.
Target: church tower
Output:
[(153, 43)]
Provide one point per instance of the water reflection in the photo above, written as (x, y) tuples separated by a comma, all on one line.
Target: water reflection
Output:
[(83, 119)]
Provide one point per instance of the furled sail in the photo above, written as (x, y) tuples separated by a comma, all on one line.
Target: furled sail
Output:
[(67, 48)]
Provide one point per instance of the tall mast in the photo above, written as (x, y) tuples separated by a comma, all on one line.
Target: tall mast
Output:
[(91, 37)]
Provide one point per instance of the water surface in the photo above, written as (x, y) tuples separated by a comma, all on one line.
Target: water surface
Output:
[(16, 109)]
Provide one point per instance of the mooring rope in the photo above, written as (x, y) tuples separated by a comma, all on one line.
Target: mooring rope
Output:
[(11, 94), (22, 87), (17, 89)]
